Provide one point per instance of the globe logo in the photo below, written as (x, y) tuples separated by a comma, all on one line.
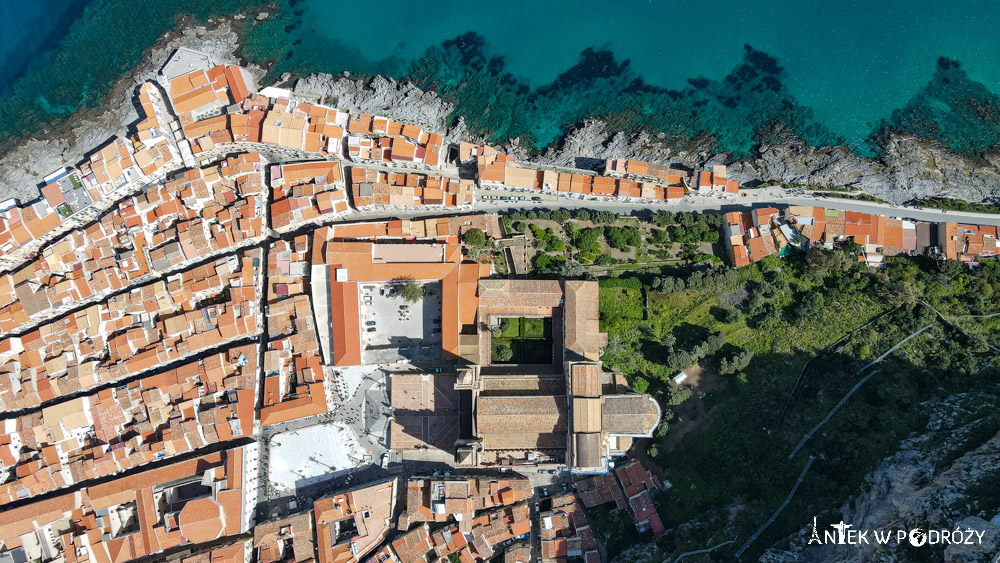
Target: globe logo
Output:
[(918, 537)]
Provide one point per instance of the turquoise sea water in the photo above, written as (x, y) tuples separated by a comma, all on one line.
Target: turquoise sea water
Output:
[(25, 29), (852, 62), (834, 72), (74, 51)]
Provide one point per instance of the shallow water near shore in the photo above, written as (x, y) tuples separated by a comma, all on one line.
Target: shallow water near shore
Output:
[(833, 73)]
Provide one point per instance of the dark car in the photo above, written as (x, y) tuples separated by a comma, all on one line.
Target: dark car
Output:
[(536, 198), (434, 370), (372, 329)]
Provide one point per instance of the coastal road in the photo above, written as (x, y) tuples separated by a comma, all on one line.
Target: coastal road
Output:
[(762, 197)]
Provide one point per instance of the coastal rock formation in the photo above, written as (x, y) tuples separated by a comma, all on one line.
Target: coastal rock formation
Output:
[(401, 101), (910, 168), (920, 487), (22, 169)]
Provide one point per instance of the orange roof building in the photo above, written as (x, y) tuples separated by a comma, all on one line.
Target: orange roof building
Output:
[(349, 264)]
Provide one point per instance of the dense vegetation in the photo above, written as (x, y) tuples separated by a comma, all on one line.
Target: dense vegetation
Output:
[(957, 205), (588, 242), (753, 332)]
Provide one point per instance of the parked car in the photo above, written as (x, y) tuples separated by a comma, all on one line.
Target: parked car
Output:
[(404, 307), (434, 370), (381, 291), (520, 198), (545, 492), (505, 470), (370, 323), (371, 329), (536, 198), (505, 197)]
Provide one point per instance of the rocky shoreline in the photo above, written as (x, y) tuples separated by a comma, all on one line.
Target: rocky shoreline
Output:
[(910, 168), (26, 163)]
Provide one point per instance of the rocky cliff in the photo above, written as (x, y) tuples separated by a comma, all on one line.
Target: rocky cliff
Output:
[(945, 478)]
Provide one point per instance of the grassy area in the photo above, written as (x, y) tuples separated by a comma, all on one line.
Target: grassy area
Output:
[(621, 298), (510, 328), (530, 340), (536, 327), (734, 470)]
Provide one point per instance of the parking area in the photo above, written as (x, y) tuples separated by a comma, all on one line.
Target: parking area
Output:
[(394, 329)]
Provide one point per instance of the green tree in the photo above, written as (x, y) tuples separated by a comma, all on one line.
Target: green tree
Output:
[(503, 353), (729, 315), (587, 240), (474, 237), (679, 395), (662, 428), (622, 237), (605, 216), (639, 384), (570, 269), (738, 362), (409, 289), (823, 260), (663, 218)]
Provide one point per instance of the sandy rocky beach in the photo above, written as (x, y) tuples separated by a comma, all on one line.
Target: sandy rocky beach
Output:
[(911, 168)]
